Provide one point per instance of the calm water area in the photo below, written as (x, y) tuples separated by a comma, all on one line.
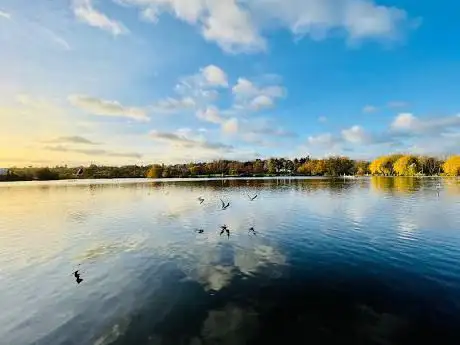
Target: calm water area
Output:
[(332, 261)]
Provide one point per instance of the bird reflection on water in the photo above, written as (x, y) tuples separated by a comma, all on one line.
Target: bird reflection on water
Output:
[(224, 228), (77, 276)]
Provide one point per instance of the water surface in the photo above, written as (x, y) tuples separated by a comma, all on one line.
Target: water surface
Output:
[(365, 261)]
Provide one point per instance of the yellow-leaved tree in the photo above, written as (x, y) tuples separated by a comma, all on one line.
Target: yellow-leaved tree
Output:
[(383, 165), (452, 166), (155, 171), (406, 166)]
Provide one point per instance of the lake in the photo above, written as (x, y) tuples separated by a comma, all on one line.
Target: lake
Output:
[(344, 261)]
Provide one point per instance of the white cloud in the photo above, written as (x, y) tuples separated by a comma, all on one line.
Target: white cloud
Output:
[(322, 140), (211, 114), (5, 15), (172, 105), (58, 39), (356, 135), (407, 122), (231, 27), (94, 152), (230, 126), (262, 102), (237, 26), (363, 19), (404, 121), (214, 76), (370, 109), (86, 13), (249, 95), (225, 22), (209, 77), (181, 140), (244, 88), (101, 107), (202, 85), (76, 139)]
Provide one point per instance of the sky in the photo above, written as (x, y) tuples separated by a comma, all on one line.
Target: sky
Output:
[(169, 81)]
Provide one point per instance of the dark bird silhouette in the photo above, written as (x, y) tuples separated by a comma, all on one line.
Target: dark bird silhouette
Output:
[(225, 229), (201, 200), (252, 231), (77, 276), (224, 207), (200, 231), (253, 198)]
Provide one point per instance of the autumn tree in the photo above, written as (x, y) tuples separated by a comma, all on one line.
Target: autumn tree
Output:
[(361, 168), (452, 166), (383, 165), (406, 166), (319, 167), (155, 171)]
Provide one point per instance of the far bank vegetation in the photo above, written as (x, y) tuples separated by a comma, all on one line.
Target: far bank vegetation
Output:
[(389, 165)]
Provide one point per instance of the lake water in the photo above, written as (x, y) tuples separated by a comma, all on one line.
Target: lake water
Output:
[(364, 261)]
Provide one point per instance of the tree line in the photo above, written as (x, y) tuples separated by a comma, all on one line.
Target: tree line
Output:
[(390, 165), (410, 165)]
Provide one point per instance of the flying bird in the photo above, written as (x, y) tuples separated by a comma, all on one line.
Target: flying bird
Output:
[(201, 200), (252, 198), (200, 231), (225, 229), (252, 231), (224, 207), (77, 276)]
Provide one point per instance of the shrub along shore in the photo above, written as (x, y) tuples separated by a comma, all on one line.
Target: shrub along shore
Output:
[(391, 165)]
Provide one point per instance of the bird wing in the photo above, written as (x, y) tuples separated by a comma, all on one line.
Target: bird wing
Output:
[(223, 203), (254, 197)]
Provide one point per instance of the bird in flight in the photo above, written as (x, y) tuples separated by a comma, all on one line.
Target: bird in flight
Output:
[(201, 200), (252, 198), (200, 231), (224, 206), (225, 229), (77, 276), (252, 231)]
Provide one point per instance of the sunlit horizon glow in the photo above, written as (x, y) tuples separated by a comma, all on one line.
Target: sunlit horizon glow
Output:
[(120, 82)]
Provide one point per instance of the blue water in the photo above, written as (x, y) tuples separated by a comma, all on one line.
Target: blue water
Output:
[(364, 261)]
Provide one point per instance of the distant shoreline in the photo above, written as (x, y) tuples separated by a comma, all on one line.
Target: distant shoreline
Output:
[(85, 181)]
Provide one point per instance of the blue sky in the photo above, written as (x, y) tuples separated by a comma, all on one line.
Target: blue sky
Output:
[(143, 81)]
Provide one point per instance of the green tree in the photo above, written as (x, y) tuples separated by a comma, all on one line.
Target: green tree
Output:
[(46, 174), (361, 168), (258, 167), (272, 166), (430, 165)]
